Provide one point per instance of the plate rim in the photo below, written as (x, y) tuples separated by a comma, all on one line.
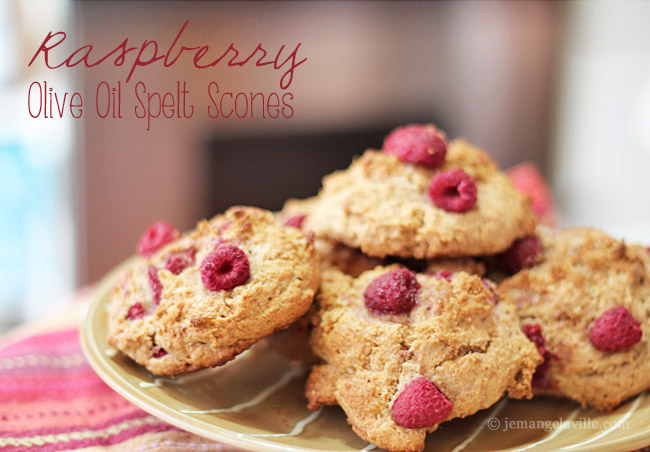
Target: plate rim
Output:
[(99, 363)]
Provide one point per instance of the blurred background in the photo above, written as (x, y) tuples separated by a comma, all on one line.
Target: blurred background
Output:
[(565, 85)]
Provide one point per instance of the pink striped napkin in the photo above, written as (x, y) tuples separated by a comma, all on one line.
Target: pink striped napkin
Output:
[(51, 400)]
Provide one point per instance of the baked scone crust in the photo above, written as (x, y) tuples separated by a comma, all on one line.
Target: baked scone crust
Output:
[(201, 328), (353, 262), (457, 336), (582, 274), (380, 205)]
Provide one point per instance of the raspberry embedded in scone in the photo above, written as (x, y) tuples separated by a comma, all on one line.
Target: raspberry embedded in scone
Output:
[(420, 144), (524, 253), (398, 373), (394, 292), (540, 379), (453, 191), (212, 293), (615, 330), (388, 207), (421, 404), (155, 237), (585, 303), (225, 268)]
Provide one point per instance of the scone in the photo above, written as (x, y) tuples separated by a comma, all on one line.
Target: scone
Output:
[(297, 212), (292, 342), (404, 352), (586, 304), (446, 267), (207, 296), (393, 204)]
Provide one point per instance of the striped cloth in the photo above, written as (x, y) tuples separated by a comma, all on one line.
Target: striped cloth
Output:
[(51, 400)]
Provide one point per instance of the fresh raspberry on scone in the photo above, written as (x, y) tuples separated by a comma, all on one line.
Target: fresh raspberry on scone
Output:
[(419, 144), (179, 261), (158, 352), (394, 292), (528, 180), (154, 282), (296, 221), (155, 237), (444, 274), (524, 253), (453, 191), (534, 333), (225, 268), (135, 312), (615, 330), (421, 404)]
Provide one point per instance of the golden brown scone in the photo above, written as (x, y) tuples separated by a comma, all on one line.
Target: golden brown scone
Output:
[(197, 324), (381, 205), (293, 342), (352, 261), (583, 274), (457, 337), (298, 212), (461, 264)]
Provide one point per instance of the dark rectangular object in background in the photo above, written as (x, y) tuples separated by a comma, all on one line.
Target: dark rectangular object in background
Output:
[(264, 171)]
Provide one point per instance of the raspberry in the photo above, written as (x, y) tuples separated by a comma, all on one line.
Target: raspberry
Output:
[(178, 262), (225, 268), (524, 253), (156, 285), (421, 404), (444, 275), (394, 292), (534, 333), (615, 330), (453, 191), (418, 144), (135, 312), (158, 352), (155, 237), (296, 221), (529, 181)]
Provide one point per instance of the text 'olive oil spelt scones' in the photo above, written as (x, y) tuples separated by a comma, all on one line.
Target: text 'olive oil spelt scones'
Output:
[(205, 297), (586, 305), (392, 203), (404, 352)]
